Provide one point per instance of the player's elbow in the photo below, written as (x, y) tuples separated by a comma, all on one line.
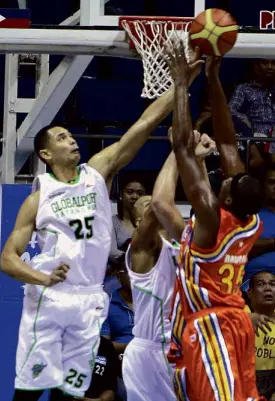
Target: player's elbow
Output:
[(6, 261), (158, 205)]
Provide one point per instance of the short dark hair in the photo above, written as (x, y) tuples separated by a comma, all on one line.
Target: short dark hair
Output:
[(247, 196), (122, 185), (253, 278), (41, 140)]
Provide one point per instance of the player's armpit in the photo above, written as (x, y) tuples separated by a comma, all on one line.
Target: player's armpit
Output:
[(18, 241), (114, 157)]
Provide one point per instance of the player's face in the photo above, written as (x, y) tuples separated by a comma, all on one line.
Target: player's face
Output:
[(225, 197), (263, 292), (269, 187), (131, 193), (140, 208), (62, 149)]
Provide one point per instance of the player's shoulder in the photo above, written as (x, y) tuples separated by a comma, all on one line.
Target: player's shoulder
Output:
[(229, 222), (30, 206), (92, 171)]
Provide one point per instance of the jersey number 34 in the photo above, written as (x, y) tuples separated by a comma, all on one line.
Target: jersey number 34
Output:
[(82, 230)]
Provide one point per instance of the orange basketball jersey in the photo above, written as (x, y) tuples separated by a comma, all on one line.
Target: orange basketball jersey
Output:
[(211, 278)]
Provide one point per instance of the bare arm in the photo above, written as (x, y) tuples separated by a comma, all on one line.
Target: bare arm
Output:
[(119, 347), (107, 395), (262, 246), (146, 243), (114, 157), (163, 199), (196, 188), (223, 126), (16, 244)]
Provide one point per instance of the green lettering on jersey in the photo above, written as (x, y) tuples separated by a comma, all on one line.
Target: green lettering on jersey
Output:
[(74, 205)]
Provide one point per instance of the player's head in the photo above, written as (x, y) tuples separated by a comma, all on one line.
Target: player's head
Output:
[(131, 191), (55, 146), (262, 291), (242, 195), (140, 208)]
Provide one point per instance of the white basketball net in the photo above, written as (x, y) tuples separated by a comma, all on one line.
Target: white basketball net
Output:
[(150, 39)]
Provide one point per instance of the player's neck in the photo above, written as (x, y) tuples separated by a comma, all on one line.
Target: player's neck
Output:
[(65, 174)]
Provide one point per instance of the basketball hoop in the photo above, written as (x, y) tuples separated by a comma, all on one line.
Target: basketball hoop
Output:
[(149, 36)]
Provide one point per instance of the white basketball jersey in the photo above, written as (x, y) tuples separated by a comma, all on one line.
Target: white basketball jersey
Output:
[(152, 295), (74, 226)]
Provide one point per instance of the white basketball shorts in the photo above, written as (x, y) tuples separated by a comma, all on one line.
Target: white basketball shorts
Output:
[(59, 337), (146, 372)]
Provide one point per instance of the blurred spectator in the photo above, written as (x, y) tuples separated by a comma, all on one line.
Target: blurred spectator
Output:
[(262, 254), (104, 380), (262, 298), (120, 321), (123, 227), (254, 102), (122, 222)]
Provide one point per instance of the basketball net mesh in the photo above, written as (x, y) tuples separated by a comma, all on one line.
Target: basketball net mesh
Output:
[(150, 39)]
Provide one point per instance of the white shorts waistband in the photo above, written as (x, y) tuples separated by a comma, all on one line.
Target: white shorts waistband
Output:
[(142, 342)]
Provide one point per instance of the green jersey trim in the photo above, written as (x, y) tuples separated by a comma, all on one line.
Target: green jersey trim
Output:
[(71, 182)]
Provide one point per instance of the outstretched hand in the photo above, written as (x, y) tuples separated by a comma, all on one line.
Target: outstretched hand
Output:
[(212, 66), (180, 69)]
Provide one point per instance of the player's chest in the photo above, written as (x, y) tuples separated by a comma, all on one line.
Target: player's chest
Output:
[(68, 203)]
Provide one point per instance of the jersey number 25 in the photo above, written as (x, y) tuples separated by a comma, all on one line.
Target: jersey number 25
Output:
[(81, 230)]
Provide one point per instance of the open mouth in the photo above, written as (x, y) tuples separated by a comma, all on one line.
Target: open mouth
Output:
[(268, 298), (75, 151)]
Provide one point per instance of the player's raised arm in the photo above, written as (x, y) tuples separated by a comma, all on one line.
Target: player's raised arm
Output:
[(163, 199), (195, 186), (145, 240), (16, 244), (223, 126), (114, 157)]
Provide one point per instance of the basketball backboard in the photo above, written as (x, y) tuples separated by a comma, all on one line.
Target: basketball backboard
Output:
[(92, 13)]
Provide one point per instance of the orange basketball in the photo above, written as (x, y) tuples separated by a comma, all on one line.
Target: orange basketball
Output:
[(214, 31)]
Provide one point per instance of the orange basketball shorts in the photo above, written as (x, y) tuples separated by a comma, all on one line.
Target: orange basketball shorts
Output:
[(218, 361)]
